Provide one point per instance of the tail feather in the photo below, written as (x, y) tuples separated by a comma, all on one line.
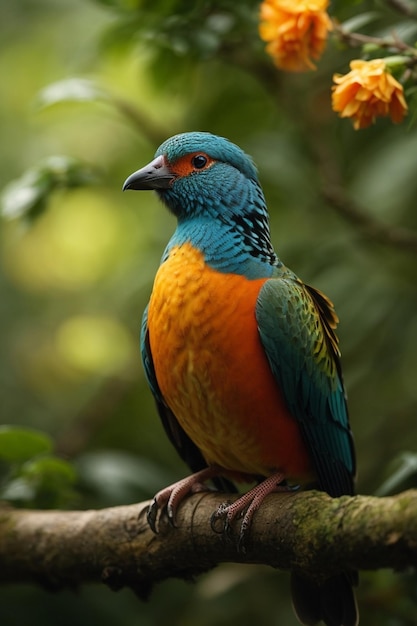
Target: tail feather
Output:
[(333, 601)]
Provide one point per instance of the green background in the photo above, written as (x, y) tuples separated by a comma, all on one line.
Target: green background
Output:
[(88, 91)]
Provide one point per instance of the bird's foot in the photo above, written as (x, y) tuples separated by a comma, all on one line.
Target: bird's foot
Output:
[(223, 520), (170, 498)]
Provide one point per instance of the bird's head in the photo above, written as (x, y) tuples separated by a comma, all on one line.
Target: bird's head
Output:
[(199, 174), (212, 187)]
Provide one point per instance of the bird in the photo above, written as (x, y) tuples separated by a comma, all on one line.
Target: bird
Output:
[(241, 355)]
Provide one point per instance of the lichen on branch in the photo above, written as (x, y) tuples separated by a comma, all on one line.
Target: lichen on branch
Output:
[(307, 531)]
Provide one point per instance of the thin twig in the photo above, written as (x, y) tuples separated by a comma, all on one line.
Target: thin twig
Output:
[(336, 196), (155, 133), (403, 7), (378, 231), (393, 43)]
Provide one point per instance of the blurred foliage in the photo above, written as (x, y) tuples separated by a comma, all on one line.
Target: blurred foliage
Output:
[(27, 197), (30, 475), (100, 84)]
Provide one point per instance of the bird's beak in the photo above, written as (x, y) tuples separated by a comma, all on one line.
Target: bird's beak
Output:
[(155, 175)]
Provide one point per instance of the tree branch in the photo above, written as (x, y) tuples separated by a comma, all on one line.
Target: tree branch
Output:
[(335, 195), (386, 234), (403, 7), (390, 43), (307, 531)]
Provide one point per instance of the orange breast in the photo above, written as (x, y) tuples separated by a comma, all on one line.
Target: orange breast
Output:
[(212, 370)]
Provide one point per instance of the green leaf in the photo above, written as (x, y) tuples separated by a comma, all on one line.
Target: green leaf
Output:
[(24, 196), (405, 468), (42, 482), (355, 23), (28, 195), (70, 90), (50, 471), (119, 477), (18, 491), (21, 444)]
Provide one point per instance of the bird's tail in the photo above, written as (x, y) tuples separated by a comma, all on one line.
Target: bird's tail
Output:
[(333, 601)]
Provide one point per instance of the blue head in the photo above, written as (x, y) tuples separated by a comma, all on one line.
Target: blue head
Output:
[(211, 186)]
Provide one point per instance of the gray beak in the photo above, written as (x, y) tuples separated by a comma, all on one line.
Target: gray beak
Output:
[(155, 175)]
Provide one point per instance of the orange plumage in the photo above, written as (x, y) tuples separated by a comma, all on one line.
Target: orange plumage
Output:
[(223, 393)]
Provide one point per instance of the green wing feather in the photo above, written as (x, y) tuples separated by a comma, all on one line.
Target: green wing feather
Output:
[(296, 325)]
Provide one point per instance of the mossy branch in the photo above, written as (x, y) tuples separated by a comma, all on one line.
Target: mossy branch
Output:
[(307, 531)]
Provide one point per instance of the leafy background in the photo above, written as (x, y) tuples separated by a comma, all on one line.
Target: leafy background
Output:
[(89, 89)]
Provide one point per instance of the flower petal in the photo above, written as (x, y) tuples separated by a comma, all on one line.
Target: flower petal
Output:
[(366, 92), (297, 31)]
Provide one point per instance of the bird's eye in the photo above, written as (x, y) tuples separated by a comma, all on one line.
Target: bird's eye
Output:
[(199, 161)]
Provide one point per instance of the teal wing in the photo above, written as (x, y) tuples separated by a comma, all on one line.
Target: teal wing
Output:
[(297, 329)]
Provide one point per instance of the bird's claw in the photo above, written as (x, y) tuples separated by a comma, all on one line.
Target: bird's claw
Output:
[(155, 511), (293, 488), (220, 515), (166, 501), (245, 508), (152, 514), (169, 499), (223, 521)]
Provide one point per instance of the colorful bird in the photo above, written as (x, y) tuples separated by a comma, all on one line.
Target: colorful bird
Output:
[(241, 356)]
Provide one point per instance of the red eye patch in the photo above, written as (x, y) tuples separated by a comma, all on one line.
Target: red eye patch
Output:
[(194, 162)]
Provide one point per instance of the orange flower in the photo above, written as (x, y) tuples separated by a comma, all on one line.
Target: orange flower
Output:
[(368, 91), (295, 30)]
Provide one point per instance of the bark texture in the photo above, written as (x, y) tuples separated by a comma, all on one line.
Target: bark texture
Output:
[(307, 531)]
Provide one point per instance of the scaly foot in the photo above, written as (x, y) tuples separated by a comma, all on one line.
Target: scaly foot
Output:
[(246, 506), (171, 497)]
